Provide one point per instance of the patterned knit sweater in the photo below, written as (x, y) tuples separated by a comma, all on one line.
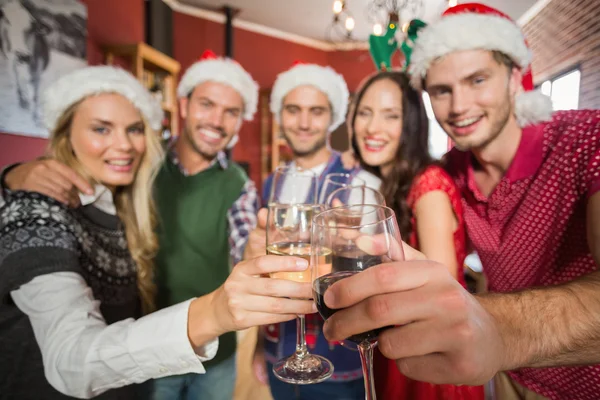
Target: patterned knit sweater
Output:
[(38, 236)]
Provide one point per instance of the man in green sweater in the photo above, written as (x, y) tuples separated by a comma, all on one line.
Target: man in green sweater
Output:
[(206, 206)]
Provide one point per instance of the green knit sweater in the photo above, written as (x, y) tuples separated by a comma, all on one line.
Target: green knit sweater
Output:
[(193, 257)]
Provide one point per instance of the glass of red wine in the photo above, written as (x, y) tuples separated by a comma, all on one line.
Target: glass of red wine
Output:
[(358, 237), (292, 205)]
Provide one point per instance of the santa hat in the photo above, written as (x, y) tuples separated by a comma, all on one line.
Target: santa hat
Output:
[(324, 79), (476, 26), (225, 71), (79, 84)]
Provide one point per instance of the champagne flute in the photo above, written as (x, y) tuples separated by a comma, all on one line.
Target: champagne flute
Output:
[(336, 181), (350, 232), (354, 195), (292, 205)]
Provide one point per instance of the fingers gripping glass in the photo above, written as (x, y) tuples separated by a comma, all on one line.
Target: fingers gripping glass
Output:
[(292, 205), (358, 237)]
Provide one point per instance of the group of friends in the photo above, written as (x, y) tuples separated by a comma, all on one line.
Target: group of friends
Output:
[(127, 264)]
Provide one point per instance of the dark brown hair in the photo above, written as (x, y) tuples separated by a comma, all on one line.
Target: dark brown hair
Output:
[(413, 152)]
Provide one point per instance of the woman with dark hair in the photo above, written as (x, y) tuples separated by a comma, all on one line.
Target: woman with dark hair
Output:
[(390, 135)]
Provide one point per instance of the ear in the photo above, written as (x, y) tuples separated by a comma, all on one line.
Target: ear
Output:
[(515, 82), (183, 105)]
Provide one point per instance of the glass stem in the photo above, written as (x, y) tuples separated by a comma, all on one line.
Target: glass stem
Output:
[(301, 349), (366, 358)]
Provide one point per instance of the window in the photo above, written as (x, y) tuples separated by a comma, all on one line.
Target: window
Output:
[(438, 140), (563, 90)]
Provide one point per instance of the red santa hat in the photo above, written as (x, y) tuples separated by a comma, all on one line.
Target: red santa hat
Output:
[(472, 26), (225, 71), (322, 78), (89, 81)]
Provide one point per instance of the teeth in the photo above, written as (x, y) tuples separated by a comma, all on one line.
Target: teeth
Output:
[(211, 134), (374, 143), (120, 162), (466, 122)]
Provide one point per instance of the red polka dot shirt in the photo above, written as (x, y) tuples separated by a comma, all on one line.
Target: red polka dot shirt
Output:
[(531, 230)]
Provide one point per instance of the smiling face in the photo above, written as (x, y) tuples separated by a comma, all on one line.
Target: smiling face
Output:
[(378, 123), (107, 136), (305, 120), (213, 116), (472, 95)]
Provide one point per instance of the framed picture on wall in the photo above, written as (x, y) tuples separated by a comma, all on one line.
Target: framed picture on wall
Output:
[(40, 40)]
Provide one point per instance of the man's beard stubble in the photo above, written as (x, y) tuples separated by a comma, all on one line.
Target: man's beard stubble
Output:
[(313, 150), (190, 139), (496, 127)]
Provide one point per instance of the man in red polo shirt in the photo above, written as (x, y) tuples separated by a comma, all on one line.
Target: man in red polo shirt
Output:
[(530, 183)]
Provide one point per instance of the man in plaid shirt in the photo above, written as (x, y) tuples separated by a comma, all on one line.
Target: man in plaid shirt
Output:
[(308, 101)]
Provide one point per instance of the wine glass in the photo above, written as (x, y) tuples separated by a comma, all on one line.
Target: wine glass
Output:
[(358, 237), (292, 205), (336, 181), (354, 195)]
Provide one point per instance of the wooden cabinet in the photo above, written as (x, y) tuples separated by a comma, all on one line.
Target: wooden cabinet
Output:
[(157, 71)]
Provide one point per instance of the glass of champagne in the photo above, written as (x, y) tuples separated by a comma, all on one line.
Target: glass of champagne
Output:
[(354, 195), (336, 181), (359, 237), (292, 205)]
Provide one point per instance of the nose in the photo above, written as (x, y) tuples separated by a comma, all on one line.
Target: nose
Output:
[(461, 101), (216, 118), (304, 121), (122, 140), (374, 125)]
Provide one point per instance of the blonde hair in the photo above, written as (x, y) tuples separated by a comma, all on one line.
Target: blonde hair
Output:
[(134, 203)]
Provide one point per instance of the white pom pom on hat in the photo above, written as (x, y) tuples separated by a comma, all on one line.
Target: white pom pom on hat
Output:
[(325, 79), (89, 81), (473, 26)]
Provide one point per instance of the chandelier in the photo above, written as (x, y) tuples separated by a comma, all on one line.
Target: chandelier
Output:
[(379, 13)]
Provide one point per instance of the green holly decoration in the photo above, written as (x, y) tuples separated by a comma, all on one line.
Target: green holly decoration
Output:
[(383, 47), (411, 35)]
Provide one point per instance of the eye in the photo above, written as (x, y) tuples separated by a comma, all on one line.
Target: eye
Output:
[(138, 130), (392, 116), (362, 113), (439, 92), (102, 130), (318, 112), (233, 113), (478, 80)]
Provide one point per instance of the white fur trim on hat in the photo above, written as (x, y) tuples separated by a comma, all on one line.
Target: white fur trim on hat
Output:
[(227, 72), (89, 81), (467, 31), (324, 79)]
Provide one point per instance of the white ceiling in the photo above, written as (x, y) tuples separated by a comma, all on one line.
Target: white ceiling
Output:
[(311, 18)]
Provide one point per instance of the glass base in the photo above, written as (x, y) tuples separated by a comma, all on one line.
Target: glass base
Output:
[(303, 371)]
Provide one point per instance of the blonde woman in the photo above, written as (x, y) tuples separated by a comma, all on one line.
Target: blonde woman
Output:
[(73, 280)]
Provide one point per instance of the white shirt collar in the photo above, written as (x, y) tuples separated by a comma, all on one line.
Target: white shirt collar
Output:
[(102, 199)]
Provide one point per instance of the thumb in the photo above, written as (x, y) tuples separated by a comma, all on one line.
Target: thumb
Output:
[(412, 254), (336, 203), (262, 218)]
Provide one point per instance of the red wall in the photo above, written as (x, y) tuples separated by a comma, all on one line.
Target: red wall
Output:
[(109, 21)]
